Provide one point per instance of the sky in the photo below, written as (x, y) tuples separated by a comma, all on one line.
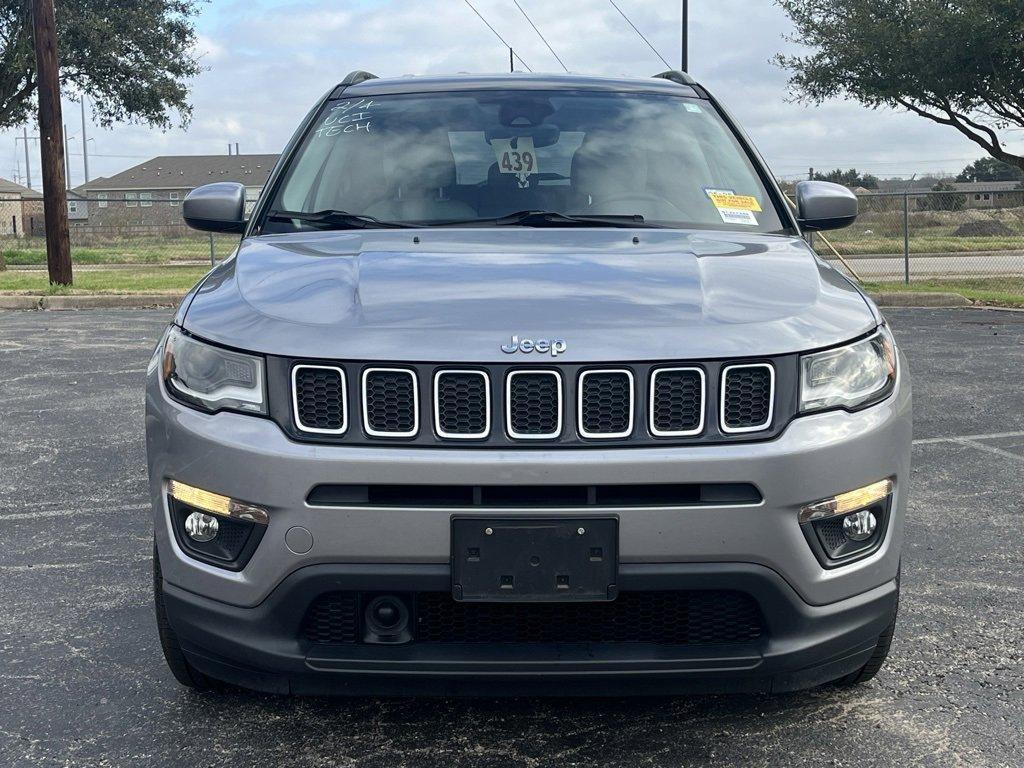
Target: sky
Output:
[(265, 63)]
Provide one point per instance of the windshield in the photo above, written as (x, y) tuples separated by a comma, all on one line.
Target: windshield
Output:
[(475, 157)]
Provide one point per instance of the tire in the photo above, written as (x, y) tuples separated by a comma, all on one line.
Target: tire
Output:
[(879, 655), (183, 672)]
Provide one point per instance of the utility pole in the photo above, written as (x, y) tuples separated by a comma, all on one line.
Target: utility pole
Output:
[(67, 155), (51, 143), (28, 165), (686, 36), (85, 143), (511, 60)]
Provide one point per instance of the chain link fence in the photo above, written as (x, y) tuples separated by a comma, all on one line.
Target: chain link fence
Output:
[(975, 239), (948, 239), (111, 233)]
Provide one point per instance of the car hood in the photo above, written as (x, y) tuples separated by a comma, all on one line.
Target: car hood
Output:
[(458, 295)]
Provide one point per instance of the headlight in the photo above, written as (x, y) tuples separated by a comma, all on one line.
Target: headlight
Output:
[(851, 376), (211, 378)]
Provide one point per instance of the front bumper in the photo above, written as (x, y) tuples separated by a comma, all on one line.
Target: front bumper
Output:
[(260, 647), (822, 623)]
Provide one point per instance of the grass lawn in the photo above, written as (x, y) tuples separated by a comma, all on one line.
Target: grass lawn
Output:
[(998, 291), (142, 250), (141, 280)]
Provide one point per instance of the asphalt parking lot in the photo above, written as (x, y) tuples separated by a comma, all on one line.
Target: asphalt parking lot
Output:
[(82, 681)]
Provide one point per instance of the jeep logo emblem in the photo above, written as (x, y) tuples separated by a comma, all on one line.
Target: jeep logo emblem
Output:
[(544, 346)]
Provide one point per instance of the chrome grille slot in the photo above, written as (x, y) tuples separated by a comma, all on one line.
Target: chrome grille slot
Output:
[(462, 404), (605, 403), (533, 404), (319, 399), (390, 402), (748, 393), (677, 402)]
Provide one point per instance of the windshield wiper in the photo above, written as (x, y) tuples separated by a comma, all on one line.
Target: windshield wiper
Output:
[(337, 220), (549, 219)]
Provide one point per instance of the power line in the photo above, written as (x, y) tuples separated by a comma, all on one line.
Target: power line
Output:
[(530, 22), (623, 15), (472, 8)]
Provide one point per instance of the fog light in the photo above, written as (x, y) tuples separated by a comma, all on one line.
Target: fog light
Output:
[(201, 527), (860, 525)]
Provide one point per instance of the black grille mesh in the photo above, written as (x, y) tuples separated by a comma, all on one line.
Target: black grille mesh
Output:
[(748, 393), (533, 403), (461, 403), (319, 399), (677, 401), (606, 403), (698, 617), (831, 534), (390, 401), (333, 619)]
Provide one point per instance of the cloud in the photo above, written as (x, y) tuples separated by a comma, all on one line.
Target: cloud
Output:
[(267, 62)]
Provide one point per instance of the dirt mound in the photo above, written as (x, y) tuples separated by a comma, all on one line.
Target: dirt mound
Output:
[(986, 228)]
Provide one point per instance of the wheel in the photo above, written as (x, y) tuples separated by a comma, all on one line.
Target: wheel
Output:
[(183, 672), (879, 655)]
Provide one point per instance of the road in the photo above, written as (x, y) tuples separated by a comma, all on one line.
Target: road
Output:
[(83, 682), (940, 265)]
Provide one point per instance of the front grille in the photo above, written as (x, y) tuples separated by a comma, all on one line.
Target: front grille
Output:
[(558, 405), (320, 399), (462, 404), (606, 403), (534, 404), (677, 402), (747, 394), (692, 617), (390, 402)]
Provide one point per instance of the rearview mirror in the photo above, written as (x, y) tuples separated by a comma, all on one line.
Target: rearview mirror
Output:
[(216, 207), (824, 205)]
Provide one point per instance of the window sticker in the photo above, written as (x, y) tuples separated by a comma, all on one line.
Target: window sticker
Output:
[(516, 156), (733, 208), (728, 199), (695, 108), (732, 216)]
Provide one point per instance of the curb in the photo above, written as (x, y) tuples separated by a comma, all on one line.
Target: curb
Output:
[(915, 299), (95, 301)]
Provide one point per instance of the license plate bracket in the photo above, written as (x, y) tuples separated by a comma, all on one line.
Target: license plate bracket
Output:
[(536, 559)]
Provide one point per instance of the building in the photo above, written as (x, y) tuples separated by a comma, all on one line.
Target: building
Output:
[(21, 209), (992, 194), (151, 193)]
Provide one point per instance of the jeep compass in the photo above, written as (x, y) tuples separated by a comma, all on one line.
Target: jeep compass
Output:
[(525, 384)]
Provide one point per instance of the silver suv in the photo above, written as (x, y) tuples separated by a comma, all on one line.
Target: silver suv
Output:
[(525, 384)]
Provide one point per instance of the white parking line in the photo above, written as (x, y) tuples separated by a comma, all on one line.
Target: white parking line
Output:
[(69, 513), (958, 438), (974, 441)]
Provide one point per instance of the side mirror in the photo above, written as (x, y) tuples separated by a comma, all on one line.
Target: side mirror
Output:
[(216, 207), (824, 205)]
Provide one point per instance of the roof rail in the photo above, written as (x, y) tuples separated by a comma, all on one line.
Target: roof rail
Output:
[(677, 76), (357, 76)]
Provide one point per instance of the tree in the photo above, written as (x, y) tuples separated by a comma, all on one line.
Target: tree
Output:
[(849, 178), (133, 59), (990, 169), (955, 62), (949, 200)]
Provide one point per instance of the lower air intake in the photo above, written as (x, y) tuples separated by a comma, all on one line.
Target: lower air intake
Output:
[(692, 617)]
